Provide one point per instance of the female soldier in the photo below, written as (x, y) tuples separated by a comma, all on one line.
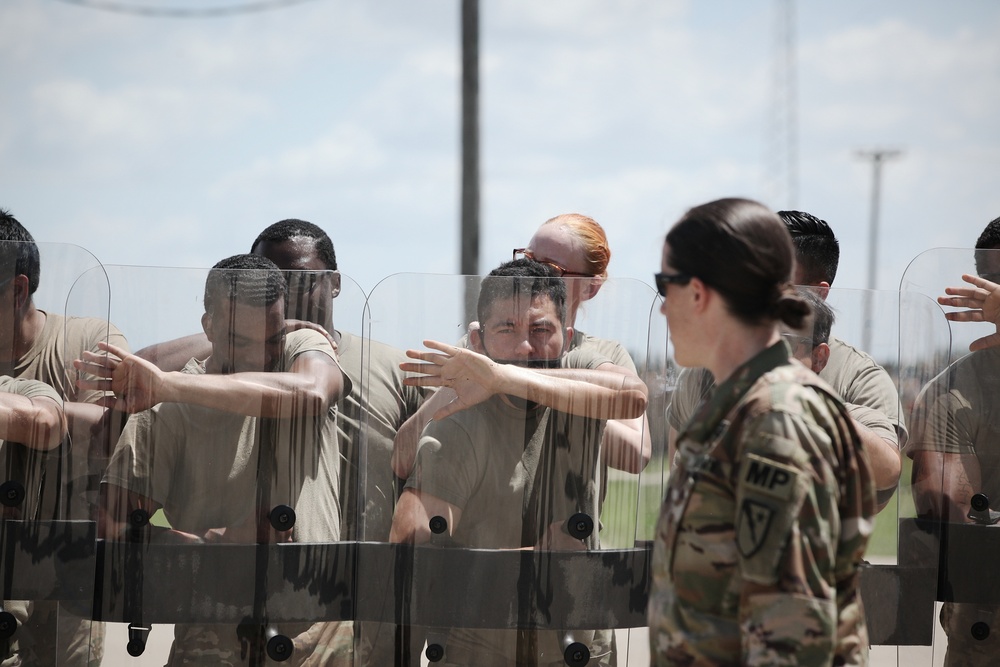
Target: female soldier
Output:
[(769, 504), (577, 247)]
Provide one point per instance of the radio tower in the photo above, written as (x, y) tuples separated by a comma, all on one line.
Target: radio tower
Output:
[(782, 158)]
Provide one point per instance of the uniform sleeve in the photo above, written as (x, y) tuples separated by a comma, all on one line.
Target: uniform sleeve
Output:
[(307, 340), (447, 464), (787, 535), (687, 394), (944, 420), (586, 358), (29, 389), (618, 355), (871, 399), (144, 457)]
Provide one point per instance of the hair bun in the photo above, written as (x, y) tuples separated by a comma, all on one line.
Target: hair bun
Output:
[(791, 308)]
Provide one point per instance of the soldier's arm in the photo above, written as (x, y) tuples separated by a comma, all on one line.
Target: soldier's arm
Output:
[(944, 483), (313, 383), (36, 422), (173, 355), (599, 394), (788, 556), (414, 510), (404, 445), (886, 464)]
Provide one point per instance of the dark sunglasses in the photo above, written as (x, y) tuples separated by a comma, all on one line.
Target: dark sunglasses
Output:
[(561, 270), (664, 279)]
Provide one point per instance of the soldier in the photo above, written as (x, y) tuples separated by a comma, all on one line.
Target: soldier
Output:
[(866, 388), (770, 499), (956, 424), (37, 344), (507, 472), (222, 442)]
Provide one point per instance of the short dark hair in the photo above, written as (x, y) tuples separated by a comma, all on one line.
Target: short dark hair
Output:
[(18, 250), (517, 276), (816, 248), (248, 279), (988, 240), (292, 228), (741, 249)]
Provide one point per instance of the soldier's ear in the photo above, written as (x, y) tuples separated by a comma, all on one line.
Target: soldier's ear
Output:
[(334, 284), (820, 356), (206, 326), (699, 294), (476, 340), (22, 293)]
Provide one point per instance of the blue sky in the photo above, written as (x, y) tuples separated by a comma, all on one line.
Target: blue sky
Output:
[(174, 142)]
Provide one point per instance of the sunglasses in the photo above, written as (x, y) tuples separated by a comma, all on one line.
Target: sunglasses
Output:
[(664, 279), (563, 271)]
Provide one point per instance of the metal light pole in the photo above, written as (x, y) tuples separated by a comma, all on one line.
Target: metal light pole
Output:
[(878, 157), (470, 152)]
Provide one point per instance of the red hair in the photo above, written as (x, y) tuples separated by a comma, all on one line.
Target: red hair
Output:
[(591, 235)]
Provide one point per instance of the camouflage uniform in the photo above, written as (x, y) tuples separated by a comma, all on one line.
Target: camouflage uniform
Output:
[(767, 514)]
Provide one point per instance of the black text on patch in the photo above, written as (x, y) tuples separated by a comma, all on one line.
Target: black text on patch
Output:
[(769, 477)]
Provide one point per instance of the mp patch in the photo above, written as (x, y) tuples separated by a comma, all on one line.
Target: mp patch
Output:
[(752, 526), (768, 477)]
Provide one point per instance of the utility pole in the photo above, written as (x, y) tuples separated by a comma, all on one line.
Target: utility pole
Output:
[(470, 152), (877, 157), (782, 151)]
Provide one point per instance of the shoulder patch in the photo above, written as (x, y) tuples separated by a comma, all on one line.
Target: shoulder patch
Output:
[(768, 477), (752, 526)]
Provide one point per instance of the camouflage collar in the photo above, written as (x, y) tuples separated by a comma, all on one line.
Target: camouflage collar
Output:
[(709, 415)]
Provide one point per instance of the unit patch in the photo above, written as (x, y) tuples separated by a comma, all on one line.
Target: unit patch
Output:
[(752, 526)]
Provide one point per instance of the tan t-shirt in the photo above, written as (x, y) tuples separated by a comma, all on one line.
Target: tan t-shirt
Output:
[(369, 416), (200, 464), (512, 471), (866, 388), (71, 473), (61, 340), (21, 463)]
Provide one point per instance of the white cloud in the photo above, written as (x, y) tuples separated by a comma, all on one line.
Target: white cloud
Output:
[(347, 151), (77, 114)]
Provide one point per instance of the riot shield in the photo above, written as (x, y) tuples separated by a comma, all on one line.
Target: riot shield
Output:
[(48, 537), (222, 505), (870, 369), (954, 469), (502, 551)]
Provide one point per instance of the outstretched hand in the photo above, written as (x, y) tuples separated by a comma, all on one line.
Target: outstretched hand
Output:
[(471, 375), (137, 384), (982, 302)]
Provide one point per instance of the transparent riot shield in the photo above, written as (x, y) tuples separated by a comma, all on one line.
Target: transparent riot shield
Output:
[(221, 507), (501, 551), (955, 472), (52, 446), (864, 367)]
